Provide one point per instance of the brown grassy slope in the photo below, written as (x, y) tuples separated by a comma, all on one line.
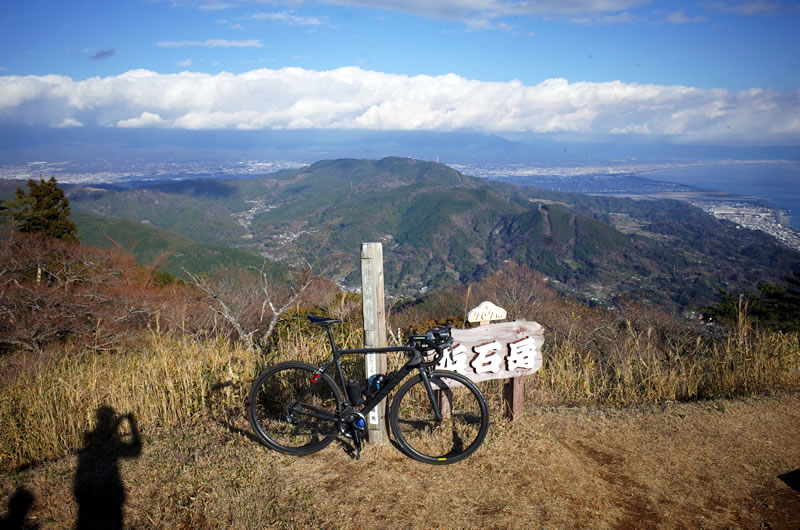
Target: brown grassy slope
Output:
[(713, 465)]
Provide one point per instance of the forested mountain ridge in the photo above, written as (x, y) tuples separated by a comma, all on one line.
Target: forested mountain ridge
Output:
[(165, 250), (439, 226)]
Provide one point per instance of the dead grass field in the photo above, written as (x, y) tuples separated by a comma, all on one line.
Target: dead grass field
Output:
[(712, 464)]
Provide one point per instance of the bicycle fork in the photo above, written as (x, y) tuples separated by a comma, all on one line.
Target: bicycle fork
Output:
[(426, 381)]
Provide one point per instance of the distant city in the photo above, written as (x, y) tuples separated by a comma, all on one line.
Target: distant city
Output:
[(108, 172), (623, 178), (773, 221)]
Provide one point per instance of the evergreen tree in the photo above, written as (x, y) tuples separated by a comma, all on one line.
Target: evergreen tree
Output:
[(781, 303), (776, 306), (45, 209)]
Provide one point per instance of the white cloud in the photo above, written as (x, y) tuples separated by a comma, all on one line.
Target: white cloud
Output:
[(352, 98), (185, 62), (749, 8), (605, 20), (146, 119), (679, 17), (289, 18), (212, 43), (640, 129), (467, 11), (214, 5), (620, 18), (470, 9), (67, 123), (485, 24)]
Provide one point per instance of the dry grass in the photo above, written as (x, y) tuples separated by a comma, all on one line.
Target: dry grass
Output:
[(707, 464), (642, 371), (701, 465), (45, 410), (165, 383)]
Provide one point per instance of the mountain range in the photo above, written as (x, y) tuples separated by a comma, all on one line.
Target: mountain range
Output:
[(438, 227)]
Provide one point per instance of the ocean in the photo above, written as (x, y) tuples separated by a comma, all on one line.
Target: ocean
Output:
[(777, 183)]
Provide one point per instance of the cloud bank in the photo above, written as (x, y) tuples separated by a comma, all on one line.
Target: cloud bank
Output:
[(352, 98), (483, 14), (458, 9)]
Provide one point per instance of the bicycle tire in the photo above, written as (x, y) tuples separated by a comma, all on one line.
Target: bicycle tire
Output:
[(460, 432), (293, 433)]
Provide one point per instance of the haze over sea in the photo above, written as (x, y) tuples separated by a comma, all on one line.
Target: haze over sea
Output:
[(776, 182)]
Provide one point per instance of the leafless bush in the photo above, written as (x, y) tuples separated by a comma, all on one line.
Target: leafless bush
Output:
[(249, 305), (516, 288), (52, 291)]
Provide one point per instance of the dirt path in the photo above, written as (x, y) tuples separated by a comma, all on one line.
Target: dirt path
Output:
[(712, 465)]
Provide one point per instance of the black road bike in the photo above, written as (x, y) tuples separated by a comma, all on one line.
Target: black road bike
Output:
[(437, 416)]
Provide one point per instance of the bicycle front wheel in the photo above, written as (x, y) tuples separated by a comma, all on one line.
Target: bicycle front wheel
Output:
[(289, 413), (464, 423)]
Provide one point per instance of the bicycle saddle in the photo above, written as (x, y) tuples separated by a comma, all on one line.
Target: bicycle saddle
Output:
[(322, 321)]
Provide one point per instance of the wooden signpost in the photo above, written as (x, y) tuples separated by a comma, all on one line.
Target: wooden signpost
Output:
[(510, 350), (496, 351), (372, 305)]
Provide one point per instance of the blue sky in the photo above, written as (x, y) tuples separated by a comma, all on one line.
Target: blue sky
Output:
[(723, 72)]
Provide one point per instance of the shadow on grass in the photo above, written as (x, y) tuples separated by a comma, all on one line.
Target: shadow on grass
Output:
[(19, 505), (242, 432), (98, 486), (227, 424), (792, 479)]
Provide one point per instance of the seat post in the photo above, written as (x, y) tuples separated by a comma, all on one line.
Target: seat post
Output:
[(330, 338)]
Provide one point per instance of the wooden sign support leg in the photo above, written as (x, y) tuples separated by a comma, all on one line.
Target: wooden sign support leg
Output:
[(444, 398), (513, 396)]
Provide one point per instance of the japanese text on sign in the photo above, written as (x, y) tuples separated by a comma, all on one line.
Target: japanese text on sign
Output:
[(497, 351)]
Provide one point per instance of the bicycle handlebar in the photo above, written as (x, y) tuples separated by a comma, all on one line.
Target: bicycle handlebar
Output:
[(438, 339)]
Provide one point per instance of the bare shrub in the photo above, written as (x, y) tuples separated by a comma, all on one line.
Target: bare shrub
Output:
[(250, 305), (52, 291), (516, 288)]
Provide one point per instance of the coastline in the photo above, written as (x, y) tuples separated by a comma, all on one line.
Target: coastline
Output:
[(774, 183)]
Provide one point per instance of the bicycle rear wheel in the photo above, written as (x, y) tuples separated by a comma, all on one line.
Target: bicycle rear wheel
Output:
[(289, 413), (464, 423)]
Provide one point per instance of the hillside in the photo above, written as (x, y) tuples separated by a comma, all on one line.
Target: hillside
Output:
[(439, 227), (167, 251)]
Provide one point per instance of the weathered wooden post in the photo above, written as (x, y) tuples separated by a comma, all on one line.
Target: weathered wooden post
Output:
[(374, 329), (513, 397)]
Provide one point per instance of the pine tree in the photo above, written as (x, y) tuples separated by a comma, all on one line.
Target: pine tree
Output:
[(44, 210), (776, 307)]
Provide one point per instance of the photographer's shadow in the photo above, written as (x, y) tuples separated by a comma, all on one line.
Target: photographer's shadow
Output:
[(98, 486), (19, 507)]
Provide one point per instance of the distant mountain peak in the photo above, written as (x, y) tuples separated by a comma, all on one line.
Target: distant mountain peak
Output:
[(389, 172)]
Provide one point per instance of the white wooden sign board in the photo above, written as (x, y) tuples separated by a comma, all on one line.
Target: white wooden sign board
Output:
[(486, 312), (495, 351)]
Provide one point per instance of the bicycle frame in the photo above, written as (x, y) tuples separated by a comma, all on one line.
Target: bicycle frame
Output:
[(437, 417), (393, 379)]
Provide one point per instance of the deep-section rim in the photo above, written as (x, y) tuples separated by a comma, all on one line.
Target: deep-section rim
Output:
[(262, 435), (439, 460)]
